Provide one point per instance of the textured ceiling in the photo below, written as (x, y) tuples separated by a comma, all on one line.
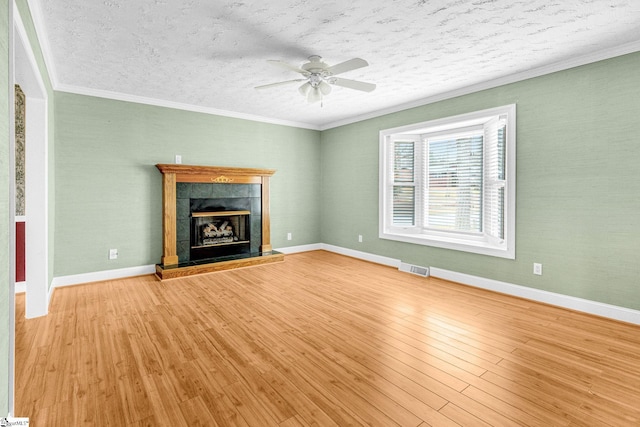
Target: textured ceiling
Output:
[(211, 54)]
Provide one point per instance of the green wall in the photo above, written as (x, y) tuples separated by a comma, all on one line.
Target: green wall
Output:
[(577, 200), (578, 186), (5, 217), (108, 190)]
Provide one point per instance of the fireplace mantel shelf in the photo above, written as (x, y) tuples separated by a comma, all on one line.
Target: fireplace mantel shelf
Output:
[(212, 170), (174, 173)]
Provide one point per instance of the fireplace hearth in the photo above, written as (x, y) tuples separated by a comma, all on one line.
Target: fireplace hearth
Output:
[(214, 218)]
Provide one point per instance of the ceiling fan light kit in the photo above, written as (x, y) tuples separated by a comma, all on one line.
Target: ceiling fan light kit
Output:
[(319, 77)]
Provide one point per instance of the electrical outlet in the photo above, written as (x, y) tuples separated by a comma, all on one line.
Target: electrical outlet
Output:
[(288, 236), (178, 159), (537, 269), (113, 254), (360, 238)]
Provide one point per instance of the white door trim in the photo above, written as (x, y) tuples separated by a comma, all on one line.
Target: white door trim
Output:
[(27, 75)]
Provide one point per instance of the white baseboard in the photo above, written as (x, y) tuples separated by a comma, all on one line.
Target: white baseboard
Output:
[(21, 287), (565, 301), (573, 303), (378, 259), (342, 251), (301, 248), (49, 295), (98, 276)]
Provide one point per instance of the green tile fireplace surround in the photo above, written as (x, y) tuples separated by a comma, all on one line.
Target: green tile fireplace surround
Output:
[(184, 184), (246, 195)]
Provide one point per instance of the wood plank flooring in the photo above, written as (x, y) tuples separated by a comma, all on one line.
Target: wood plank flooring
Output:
[(319, 340)]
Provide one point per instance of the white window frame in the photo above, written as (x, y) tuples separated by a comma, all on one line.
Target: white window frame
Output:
[(480, 243)]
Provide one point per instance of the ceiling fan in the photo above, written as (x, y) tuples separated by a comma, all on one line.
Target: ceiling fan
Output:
[(319, 76)]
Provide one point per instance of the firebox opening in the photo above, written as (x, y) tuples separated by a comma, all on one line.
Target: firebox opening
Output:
[(219, 233)]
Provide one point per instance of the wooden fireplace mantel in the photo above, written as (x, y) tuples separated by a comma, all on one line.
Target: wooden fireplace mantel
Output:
[(215, 174), (174, 173)]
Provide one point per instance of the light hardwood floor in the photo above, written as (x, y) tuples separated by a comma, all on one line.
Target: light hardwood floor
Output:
[(319, 339)]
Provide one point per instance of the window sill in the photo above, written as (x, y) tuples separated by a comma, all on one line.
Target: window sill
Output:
[(456, 244)]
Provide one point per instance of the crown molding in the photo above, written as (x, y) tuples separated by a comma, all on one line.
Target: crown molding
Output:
[(33, 85), (589, 58), (118, 96), (38, 23), (45, 47)]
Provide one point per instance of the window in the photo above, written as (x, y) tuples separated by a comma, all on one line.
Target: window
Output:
[(450, 182)]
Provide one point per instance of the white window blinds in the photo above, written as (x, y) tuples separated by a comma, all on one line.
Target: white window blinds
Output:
[(494, 177), (404, 200), (453, 193)]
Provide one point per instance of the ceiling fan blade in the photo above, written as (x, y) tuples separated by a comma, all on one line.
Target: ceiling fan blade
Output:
[(353, 84), (349, 65), (286, 66), (270, 85)]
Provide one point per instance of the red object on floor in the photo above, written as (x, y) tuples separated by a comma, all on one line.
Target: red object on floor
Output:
[(20, 254)]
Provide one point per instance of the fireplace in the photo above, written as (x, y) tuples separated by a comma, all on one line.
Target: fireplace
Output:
[(214, 218), (219, 229)]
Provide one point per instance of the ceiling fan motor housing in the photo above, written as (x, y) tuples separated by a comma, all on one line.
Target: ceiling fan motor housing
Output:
[(315, 64)]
